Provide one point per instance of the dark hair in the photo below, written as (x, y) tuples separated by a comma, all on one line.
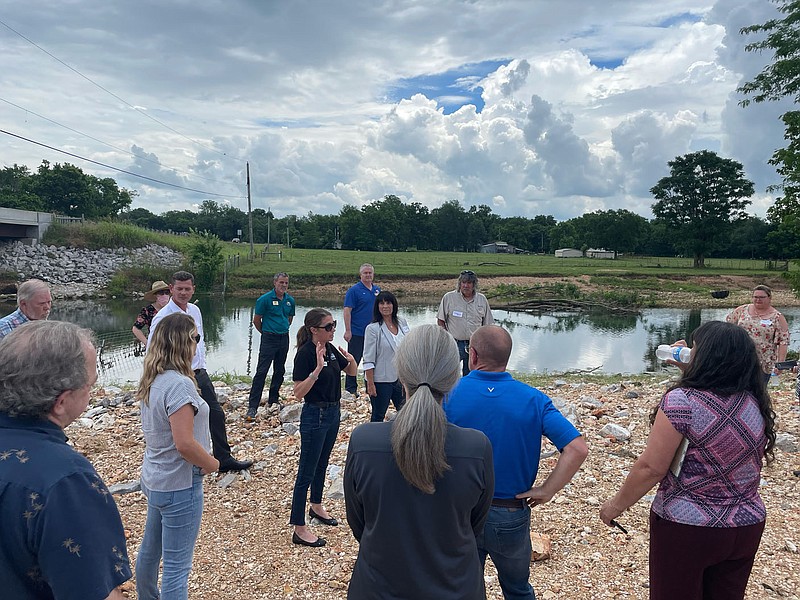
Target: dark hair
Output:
[(377, 317), (313, 318), (182, 276), (725, 361)]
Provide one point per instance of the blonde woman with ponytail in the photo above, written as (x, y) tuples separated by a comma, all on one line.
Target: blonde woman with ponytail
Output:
[(417, 489), (177, 455)]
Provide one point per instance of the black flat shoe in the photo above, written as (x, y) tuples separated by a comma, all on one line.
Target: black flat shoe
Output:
[(235, 465), (332, 522), (318, 543)]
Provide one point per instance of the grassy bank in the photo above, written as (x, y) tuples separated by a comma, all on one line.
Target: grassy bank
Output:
[(627, 280)]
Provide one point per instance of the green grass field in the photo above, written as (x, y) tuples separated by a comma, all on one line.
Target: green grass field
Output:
[(308, 267), (333, 265)]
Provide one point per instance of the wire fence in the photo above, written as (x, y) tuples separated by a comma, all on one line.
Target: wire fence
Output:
[(119, 357)]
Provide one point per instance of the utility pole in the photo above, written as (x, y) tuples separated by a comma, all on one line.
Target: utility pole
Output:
[(250, 214), (269, 222)]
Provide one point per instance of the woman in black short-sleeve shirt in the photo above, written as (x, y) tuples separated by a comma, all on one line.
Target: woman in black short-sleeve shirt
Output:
[(317, 380)]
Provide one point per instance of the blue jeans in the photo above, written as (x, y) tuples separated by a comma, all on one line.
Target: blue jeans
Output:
[(463, 354), (506, 538), (380, 403), (173, 522), (319, 426), (273, 351), (355, 347)]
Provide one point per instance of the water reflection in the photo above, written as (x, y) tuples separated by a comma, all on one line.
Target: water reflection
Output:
[(609, 342)]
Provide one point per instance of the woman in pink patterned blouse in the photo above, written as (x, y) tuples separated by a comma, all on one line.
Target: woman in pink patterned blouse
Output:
[(766, 326), (707, 517)]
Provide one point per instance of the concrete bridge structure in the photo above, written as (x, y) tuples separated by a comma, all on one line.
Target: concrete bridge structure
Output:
[(27, 225)]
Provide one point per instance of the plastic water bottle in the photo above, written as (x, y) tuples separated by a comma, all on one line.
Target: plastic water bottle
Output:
[(774, 380), (676, 353)]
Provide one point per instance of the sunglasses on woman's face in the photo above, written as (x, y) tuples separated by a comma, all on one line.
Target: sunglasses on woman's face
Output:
[(196, 337), (329, 327)]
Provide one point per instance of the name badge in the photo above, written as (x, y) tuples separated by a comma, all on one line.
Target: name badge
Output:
[(458, 313), (766, 322), (377, 292), (275, 303), (404, 329)]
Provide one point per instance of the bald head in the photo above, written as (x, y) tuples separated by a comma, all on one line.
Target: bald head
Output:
[(490, 348)]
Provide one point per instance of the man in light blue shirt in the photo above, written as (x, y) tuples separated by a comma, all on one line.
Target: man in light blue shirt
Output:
[(34, 303)]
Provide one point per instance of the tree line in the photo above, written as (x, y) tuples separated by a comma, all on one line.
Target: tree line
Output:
[(699, 212)]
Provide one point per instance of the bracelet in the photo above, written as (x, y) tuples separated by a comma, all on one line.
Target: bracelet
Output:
[(314, 377)]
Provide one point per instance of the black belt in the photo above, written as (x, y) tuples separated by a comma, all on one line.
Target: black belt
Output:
[(508, 502), (273, 333), (464, 341)]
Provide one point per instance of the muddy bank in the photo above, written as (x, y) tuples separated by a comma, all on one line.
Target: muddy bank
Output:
[(430, 291)]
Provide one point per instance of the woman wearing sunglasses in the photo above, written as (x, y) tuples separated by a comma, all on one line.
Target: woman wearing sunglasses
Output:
[(158, 296), (317, 376), (177, 455)]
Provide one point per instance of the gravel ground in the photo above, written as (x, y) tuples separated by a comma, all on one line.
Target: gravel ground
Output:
[(244, 549)]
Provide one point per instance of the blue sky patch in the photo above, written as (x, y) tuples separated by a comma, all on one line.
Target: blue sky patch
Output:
[(451, 89), (606, 63)]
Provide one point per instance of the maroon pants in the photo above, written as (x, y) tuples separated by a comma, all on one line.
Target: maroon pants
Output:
[(700, 563)]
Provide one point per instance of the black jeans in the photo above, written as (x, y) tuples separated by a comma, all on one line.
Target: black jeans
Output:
[(273, 351), (355, 347), (393, 391), (216, 417)]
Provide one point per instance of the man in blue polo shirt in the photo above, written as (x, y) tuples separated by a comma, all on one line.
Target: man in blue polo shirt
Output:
[(514, 416), (62, 535), (273, 317), (358, 304)]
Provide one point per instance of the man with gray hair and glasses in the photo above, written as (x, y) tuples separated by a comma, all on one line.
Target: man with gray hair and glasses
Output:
[(273, 316), (462, 311), (62, 535), (34, 303)]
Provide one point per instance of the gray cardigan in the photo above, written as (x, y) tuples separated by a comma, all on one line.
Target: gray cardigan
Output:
[(379, 348)]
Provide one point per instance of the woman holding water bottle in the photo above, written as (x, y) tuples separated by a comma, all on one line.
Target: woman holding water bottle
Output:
[(711, 433)]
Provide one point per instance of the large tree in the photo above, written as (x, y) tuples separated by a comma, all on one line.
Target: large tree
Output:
[(781, 79), (699, 199)]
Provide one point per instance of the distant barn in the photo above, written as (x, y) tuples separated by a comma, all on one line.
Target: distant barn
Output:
[(498, 248), (568, 253)]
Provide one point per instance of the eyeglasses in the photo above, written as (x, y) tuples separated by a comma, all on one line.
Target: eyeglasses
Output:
[(468, 272), (760, 297), (329, 327), (196, 337), (162, 293)]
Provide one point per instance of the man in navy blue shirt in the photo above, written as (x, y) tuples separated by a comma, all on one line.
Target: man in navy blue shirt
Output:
[(62, 535), (358, 303), (514, 416)]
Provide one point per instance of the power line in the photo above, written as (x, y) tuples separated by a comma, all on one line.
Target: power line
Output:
[(132, 174), (125, 102), (150, 160)]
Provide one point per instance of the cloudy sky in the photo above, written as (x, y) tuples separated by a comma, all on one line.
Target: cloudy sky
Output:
[(528, 106)]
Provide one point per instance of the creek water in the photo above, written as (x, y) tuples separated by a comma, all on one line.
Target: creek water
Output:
[(547, 343)]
